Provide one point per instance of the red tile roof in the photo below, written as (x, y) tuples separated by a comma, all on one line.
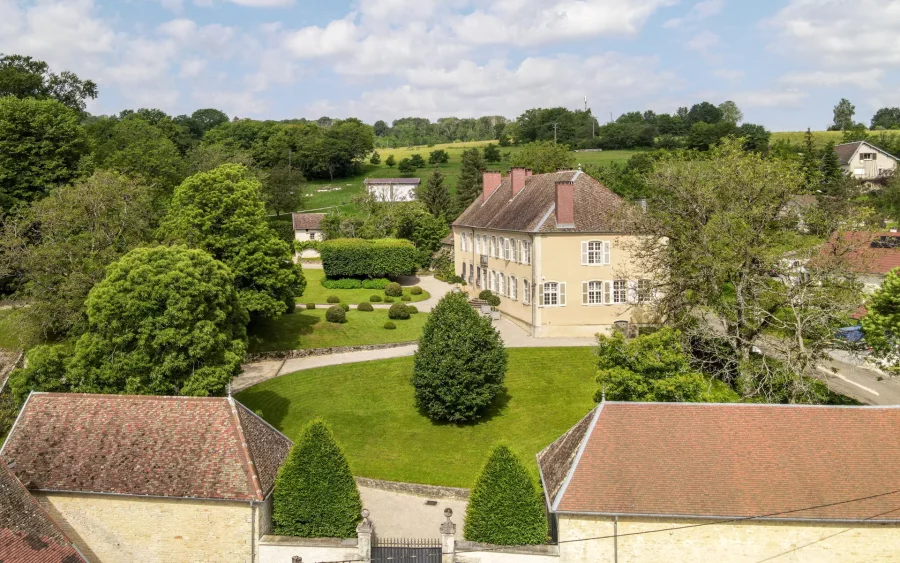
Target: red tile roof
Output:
[(311, 221), (597, 208), (862, 251), (181, 447), (27, 533), (724, 461)]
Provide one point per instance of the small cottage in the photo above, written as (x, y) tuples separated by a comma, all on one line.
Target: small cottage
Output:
[(391, 190)]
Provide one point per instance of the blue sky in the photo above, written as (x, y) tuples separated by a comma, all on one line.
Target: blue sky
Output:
[(786, 63)]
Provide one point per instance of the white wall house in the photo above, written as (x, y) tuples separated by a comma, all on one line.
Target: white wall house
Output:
[(864, 161), (392, 189), (308, 226)]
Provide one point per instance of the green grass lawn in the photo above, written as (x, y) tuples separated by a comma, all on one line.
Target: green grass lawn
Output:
[(317, 293), (821, 138), (9, 331), (347, 188), (371, 409), (306, 329)]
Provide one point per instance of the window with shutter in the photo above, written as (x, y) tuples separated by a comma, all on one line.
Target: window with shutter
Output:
[(584, 253), (501, 285), (607, 292), (606, 257), (513, 288), (562, 294), (526, 292), (540, 292), (620, 292), (592, 253), (592, 293)]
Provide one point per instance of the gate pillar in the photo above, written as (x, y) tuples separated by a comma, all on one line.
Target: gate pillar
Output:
[(448, 538), (364, 536)]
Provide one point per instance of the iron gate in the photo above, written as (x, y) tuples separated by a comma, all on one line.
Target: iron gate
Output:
[(403, 550)]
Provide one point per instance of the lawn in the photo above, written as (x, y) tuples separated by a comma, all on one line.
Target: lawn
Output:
[(9, 332), (341, 191), (371, 409), (317, 293), (821, 138), (306, 329)]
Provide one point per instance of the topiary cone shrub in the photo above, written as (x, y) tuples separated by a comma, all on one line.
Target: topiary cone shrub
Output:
[(315, 495), (398, 312), (336, 314), (393, 289), (506, 507), (461, 362)]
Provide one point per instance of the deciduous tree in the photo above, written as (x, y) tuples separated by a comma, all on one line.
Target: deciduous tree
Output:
[(438, 157), (221, 212), (843, 115), (417, 161), (25, 77), (406, 167), (391, 161), (543, 157), (375, 159), (491, 153), (881, 324), (731, 112)]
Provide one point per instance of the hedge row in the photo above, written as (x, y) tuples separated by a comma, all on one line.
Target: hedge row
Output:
[(353, 283), (358, 258)]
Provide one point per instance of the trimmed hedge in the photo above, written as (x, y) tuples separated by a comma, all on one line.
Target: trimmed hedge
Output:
[(416, 290), (310, 306), (336, 314), (343, 283), (315, 495), (365, 306), (393, 289), (375, 299), (358, 258), (333, 299), (506, 507), (390, 326), (461, 363), (398, 311), (413, 310), (377, 283)]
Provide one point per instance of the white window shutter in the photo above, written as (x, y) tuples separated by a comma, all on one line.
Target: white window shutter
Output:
[(606, 252), (562, 294), (584, 253), (607, 292), (584, 293), (540, 295)]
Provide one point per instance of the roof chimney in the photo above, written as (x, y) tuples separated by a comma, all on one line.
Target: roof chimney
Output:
[(517, 178), (565, 204), (490, 182)]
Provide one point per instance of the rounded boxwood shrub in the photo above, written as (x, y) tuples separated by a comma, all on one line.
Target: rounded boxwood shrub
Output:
[(460, 365), (492, 299), (388, 299), (485, 294), (315, 495), (416, 290), (389, 325), (310, 305), (393, 289), (333, 299), (506, 508), (398, 311), (413, 310), (375, 299), (345, 307), (365, 306), (405, 298), (336, 314)]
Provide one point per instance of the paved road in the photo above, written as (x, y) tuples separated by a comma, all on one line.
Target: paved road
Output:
[(849, 375)]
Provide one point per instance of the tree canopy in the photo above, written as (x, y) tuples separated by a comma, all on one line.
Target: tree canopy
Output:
[(25, 77), (882, 322), (543, 157), (221, 212)]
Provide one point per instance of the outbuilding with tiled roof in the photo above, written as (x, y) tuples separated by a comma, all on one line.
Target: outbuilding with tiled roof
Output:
[(730, 482), (128, 475)]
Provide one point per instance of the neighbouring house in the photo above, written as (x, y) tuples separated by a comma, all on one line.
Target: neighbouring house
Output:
[(308, 227), (686, 482), (447, 242), (864, 161), (392, 190), (871, 255), (27, 533), (151, 479), (555, 248)]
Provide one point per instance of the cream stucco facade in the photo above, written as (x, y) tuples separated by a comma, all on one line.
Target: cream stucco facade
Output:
[(553, 284), (115, 529), (744, 542)]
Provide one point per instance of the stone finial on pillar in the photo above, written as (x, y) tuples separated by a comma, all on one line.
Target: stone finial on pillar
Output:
[(364, 532), (448, 538)]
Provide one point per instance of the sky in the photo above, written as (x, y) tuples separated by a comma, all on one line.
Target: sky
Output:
[(785, 63)]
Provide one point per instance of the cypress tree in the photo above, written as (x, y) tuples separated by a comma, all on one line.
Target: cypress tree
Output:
[(831, 166), (468, 186), (315, 495), (435, 195), (506, 507)]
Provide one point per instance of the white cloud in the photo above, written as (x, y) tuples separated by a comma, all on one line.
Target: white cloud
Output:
[(703, 43), (729, 74), (699, 11), (790, 98), (866, 79), (337, 38), (263, 3), (191, 68)]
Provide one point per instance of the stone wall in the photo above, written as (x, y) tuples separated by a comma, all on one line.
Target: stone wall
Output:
[(115, 529), (292, 354), (428, 491), (744, 542), (471, 552), (281, 549)]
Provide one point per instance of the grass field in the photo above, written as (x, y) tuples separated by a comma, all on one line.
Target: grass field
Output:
[(371, 409), (9, 332), (347, 188), (317, 293), (305, 329), (821, 138)]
